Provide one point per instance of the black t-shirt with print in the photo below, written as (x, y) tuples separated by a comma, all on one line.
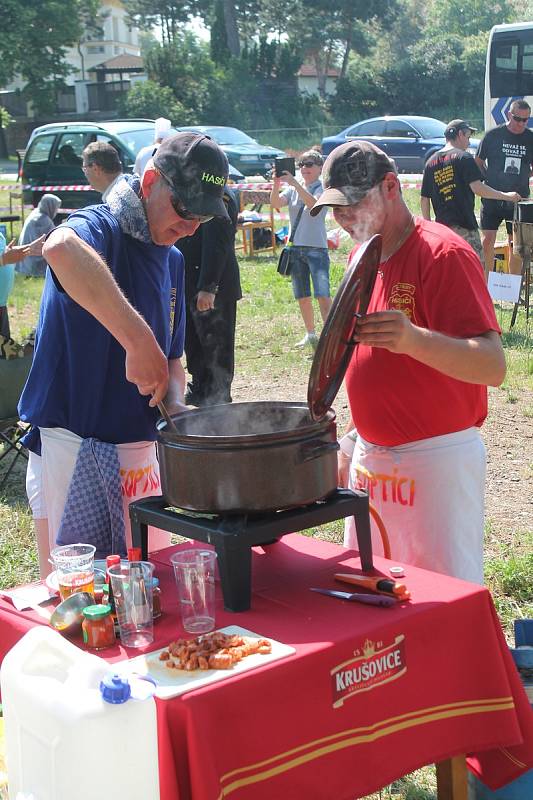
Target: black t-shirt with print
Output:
[(447, 178), (508, 157)]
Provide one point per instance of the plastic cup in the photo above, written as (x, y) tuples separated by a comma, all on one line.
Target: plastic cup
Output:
[(194, 571), (74, 566), (131, 582)]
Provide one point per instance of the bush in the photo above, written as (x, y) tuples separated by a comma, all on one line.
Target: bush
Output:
[(149, 99)]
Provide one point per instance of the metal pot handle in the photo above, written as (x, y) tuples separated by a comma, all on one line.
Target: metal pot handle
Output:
[(310, 450)]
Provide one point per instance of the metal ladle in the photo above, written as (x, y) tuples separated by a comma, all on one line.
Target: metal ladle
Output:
[(166, 416)]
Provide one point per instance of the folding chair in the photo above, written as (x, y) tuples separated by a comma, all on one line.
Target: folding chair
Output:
[(13, 374)]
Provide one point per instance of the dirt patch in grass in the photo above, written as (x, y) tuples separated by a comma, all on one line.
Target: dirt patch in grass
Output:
[(507, 432)]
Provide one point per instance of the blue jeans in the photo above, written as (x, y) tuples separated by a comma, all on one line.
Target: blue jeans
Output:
[(306, 263)]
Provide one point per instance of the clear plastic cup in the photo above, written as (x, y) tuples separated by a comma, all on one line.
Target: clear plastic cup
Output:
[(74, 567), (194, 571), (131, 582)]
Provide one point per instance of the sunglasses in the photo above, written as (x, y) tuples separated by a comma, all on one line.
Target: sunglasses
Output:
[(178, 206), (520, 119), (307, 164)]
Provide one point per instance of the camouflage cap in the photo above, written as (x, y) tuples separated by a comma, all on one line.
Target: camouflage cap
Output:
[(197, 169), (350, 172)]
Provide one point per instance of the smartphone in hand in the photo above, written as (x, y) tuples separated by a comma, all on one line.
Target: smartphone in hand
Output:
[(285, 164)]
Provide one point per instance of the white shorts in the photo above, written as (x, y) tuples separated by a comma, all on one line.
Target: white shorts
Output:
[(49, 475), (430, 496)]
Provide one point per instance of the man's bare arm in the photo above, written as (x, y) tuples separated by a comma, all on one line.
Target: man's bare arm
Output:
[(481, 164), (477, 359), (484, 190), (425, 207), (86, 279)]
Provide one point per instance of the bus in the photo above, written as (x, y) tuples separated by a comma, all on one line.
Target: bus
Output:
[(509, 70)]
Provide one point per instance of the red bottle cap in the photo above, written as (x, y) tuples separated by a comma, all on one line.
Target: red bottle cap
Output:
[(112, 561), (134, 554)]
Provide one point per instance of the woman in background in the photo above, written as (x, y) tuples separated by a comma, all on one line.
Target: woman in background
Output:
[(38, 223), (309, 254)]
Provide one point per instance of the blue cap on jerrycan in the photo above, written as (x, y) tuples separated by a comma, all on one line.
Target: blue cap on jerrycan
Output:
[(115, 688)]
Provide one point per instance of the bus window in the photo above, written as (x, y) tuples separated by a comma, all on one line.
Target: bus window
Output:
[(504, 69), (527, 70)]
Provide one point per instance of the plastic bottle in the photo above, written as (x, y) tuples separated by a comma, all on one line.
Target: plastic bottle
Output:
[(64, 741)]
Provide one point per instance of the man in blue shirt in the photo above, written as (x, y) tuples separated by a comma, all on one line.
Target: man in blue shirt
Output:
[(111, 330)]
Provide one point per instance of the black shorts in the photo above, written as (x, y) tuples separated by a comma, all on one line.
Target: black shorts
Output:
[(493, 212)]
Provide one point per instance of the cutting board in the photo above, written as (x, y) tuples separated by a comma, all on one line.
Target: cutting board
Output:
[(173, 682)]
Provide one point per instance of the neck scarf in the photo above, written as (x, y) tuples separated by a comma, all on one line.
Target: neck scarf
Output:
[(127, 208)]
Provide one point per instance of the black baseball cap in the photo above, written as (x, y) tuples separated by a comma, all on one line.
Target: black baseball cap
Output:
[(350, 171), (456, 125), (197, 170)]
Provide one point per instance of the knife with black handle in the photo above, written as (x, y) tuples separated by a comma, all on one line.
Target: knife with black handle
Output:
[(358, 597)]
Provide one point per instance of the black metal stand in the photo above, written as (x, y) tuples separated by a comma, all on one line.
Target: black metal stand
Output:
[(233, 536), (525, 287)]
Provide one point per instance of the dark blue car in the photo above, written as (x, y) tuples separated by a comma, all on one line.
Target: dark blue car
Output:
[(410, 141)]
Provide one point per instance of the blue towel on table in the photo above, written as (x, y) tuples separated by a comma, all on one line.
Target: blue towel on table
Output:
[(93, 511)]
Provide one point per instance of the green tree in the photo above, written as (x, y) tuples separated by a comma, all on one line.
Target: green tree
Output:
[(466, 17), (34, 44), (184, 66), (168, 15), (150, 100), (218, 42)]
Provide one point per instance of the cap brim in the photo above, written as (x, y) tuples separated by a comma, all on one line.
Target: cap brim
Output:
[(206, 205), (332, 197)]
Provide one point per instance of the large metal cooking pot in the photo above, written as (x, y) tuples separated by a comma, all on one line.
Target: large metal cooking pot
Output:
[(525, 211), (246, 457), (265, 456)]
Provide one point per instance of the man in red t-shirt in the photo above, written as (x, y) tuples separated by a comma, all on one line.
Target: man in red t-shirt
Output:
[(428, 348)]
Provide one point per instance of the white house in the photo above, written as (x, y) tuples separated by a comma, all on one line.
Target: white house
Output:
[(110, 58), (308, 82)]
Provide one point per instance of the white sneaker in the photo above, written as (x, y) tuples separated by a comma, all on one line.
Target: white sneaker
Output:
[(310, 339)]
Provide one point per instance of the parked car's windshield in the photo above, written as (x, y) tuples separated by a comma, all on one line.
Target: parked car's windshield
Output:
[(429, 128), (136, 140), (229, 136)]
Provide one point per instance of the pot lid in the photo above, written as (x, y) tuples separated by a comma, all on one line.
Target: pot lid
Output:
[(336, 346)]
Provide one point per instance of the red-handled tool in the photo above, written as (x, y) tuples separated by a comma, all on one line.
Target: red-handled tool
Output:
[(375, 584)]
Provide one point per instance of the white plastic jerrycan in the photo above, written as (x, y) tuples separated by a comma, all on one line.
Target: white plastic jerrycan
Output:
[(63, 740)]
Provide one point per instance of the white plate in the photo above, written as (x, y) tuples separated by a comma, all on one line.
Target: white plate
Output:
[(173, 682)]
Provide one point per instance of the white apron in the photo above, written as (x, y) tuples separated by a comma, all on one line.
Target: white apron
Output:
[(430, 496), (49, 477)]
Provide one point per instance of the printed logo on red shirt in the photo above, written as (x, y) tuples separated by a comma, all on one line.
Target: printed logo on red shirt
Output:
[(403, 299), (374, 665)]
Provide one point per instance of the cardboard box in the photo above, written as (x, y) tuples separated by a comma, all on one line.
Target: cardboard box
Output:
[(501, 257)]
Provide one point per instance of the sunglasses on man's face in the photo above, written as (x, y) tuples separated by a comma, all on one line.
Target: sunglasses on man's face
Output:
[(180, 209), (307, 164), (520, 119)]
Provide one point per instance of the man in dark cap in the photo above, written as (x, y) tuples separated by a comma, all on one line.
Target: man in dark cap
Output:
[(451, 179), (427, 349), (212, 289), (505, 157), (109, 341)]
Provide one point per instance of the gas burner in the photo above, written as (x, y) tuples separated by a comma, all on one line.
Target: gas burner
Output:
[(234, 535)]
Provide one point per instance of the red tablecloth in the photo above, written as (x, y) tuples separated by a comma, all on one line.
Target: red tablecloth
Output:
[(369, 695)]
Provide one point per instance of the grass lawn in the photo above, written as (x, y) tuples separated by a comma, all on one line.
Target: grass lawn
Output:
[(268, 324)]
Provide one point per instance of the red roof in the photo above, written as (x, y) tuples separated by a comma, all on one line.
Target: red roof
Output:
[(309, 71)]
